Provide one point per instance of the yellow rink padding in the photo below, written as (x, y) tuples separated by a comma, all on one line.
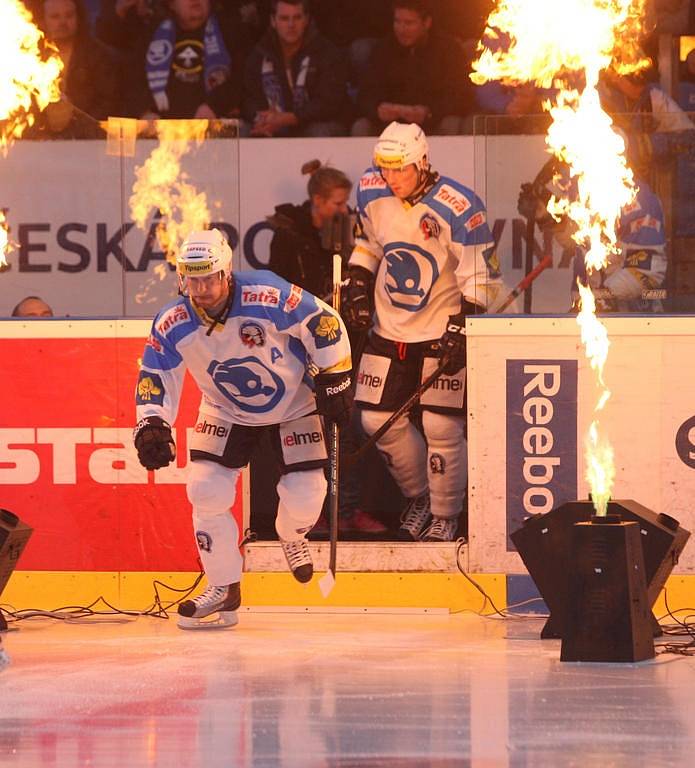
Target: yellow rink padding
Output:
[(134, 591), (680, 594), (48, 590)]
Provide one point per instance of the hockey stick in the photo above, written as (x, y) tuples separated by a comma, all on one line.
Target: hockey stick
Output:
[(524, 283), (351, 458), (328, 581), (530, 243)]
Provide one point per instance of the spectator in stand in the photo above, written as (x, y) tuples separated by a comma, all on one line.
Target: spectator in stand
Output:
[(301, 251), (123, 24), (514, 109), (251, 17), (295, 79), (90, 84), (32, 306), (189, 68), (415, 75)]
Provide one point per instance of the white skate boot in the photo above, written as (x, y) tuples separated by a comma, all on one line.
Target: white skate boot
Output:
[(299, 559), (415, 518), (441, 529), (214, 609)]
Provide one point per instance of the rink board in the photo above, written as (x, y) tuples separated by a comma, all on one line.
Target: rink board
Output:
[(68, 467), (84, 255), (104, 526), (526, 373)]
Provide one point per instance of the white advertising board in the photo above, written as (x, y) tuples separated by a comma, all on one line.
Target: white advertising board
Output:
[(67, 204), (531, 400)]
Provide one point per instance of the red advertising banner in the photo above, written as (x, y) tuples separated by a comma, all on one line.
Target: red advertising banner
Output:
[(67, 464)]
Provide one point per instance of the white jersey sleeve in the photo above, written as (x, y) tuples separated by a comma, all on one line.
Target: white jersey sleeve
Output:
[(160, 380)]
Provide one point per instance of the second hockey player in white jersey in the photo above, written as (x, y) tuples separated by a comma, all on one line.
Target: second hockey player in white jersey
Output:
[(266, 355), (424, 259)]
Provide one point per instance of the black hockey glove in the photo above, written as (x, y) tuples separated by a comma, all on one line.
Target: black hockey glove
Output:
[(154, 443), (452, 345), (532, 205), (358, 305), (334, 396)]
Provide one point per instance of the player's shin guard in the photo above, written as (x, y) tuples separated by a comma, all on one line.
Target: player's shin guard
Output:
[(447, 468), (211, 489), (404, 452)]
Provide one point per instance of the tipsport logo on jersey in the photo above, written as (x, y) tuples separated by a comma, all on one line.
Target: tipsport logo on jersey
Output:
[(247, 383), (410, 275)]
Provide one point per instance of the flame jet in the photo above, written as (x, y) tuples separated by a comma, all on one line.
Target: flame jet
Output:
[(563, 47)]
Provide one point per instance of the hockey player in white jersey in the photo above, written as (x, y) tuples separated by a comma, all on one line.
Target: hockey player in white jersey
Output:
[(423, 260), (266, 355)]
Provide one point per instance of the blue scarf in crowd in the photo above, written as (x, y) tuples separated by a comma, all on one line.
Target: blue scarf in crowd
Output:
[(216, 62), (273, 91)]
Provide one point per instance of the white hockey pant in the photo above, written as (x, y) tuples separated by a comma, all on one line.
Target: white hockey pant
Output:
[(211, 489), (301, 498), (440, 463)]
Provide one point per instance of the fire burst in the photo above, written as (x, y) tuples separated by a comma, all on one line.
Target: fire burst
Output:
[(564, 46), (28, 77), (161, 186)]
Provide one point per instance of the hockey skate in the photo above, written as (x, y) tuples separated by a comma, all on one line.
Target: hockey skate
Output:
[(4, 658), (441, 529), (214, 609), (299, 559), (415, 518)]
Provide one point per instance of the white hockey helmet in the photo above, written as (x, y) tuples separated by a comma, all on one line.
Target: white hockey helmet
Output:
[(401, 144), (204, 253)]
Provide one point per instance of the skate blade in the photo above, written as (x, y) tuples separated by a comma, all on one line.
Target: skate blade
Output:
[(221, 620)]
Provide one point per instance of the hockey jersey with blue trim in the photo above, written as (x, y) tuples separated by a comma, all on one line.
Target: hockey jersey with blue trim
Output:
[(256, 368), (641, 223), (425, 256)]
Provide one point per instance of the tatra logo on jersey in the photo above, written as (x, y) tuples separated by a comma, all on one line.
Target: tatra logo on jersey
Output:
[(475, 221), (293, 299), (410, 275), (249, 384), (174, 316), (453, 199), (154, 343), (372, 181), (646, 221), (259, 296), (325, 328)]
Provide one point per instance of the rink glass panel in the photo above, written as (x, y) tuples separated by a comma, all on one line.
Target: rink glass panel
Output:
[(511, 151), (69, 213)]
